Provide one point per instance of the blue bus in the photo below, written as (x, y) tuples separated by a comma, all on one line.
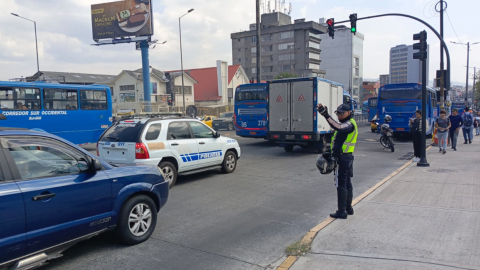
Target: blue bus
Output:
[(250, 118), (365, 107), (400, 101), (460, 106), (78, 113), (372, 108)]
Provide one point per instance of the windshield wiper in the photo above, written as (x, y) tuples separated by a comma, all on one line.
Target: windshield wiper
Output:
[(113, 138)]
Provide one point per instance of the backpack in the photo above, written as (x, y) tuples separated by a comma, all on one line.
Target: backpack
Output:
[(468, 120)]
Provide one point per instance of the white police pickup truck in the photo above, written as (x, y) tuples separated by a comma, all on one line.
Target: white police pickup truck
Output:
[(176, 145)]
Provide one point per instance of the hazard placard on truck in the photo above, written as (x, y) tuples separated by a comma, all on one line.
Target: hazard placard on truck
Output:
[(293, 118)]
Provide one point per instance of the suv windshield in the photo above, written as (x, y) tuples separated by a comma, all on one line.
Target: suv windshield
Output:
[(226, 115), (122, 132)]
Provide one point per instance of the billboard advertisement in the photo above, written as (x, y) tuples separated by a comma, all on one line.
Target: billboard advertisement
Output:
[(122, 19), (127, 97)]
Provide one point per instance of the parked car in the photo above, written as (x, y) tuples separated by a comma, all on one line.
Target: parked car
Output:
[(225, 121), (54, 194), (175, 145), (208, 119)]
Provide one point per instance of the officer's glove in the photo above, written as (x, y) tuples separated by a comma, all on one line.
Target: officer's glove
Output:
[(336, 155), (323, 110)]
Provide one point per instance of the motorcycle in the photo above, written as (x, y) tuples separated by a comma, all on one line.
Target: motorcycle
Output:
[(387, 134)]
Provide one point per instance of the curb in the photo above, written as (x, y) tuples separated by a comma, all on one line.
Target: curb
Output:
[(310, 235)]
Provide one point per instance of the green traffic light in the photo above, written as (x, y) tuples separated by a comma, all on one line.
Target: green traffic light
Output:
[(354, 29)]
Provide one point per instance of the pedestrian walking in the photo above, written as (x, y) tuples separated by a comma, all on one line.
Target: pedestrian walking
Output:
[(467, 126), (477, 122), (342, 147), (442, 125), (415, 126), (456, 121)]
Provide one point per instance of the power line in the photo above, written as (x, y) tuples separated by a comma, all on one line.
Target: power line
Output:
[(454, 30)]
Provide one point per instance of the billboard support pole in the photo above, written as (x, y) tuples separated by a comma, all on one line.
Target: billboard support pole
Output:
[(146, 75)]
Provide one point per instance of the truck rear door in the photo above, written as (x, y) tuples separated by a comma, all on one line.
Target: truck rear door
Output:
[(302, 106), (279, 110)]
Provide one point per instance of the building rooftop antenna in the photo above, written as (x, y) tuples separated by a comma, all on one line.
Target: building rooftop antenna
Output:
[(290, 8)]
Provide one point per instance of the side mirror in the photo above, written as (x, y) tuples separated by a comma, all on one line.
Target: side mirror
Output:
[(83, 165), (96, 164), (216, 134)]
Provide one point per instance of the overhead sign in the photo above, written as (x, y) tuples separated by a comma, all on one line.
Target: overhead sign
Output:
[(122, 19)]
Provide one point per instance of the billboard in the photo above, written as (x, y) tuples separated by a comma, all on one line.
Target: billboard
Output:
[(127, 97), (122, 19)]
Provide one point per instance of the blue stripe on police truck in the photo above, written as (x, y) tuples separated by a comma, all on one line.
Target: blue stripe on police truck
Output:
[(204, 155)]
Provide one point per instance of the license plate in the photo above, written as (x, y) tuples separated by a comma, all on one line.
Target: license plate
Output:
[(217, 124), (253, 133), (401, 129), (290, 137)]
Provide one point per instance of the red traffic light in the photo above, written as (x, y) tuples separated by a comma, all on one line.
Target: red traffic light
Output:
[(330, 22)]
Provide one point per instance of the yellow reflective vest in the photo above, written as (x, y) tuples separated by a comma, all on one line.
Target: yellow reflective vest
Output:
[(349, 144)]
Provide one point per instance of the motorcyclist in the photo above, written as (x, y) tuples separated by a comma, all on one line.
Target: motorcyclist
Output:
[(342, 147)]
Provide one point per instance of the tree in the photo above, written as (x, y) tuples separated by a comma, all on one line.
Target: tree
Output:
[(285, 75)]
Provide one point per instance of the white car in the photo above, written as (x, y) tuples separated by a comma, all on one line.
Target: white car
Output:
[(176, 145)]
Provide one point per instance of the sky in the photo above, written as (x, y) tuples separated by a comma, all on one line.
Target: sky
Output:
[(65, 34)]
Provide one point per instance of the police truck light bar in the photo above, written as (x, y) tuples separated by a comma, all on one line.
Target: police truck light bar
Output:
[(330, 24)]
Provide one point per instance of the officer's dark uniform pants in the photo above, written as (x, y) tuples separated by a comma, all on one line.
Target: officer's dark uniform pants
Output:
[(344, 175)]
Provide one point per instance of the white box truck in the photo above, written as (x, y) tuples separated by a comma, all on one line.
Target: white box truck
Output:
[(293, 118)]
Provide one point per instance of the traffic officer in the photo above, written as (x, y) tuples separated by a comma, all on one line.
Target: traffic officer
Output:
[(342, 147)]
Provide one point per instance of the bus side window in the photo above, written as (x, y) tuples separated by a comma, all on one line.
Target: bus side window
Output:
[(93, 100), (60, 99), (19, 98)]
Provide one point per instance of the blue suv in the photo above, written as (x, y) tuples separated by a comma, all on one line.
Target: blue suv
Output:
[(54, 194)]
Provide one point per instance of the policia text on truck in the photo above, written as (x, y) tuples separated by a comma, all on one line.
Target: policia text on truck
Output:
[(342, 148)]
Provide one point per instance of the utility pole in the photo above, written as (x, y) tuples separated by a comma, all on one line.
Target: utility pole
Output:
[(466, 84), (259, 75), (442, 79), (474, 79)]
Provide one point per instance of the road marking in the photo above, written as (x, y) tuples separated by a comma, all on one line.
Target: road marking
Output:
[(310, 235), (370, 140)]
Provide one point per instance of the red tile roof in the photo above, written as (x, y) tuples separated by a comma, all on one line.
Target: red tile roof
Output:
[(207, 87)]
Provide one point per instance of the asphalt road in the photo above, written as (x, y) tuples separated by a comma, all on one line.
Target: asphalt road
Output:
[(242, 220)]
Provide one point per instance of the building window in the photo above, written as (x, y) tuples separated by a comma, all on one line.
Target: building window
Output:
[(239, 50), (266, 37), (240, 60), (111, 91), (254, 60), (289, 34), (178, 90), (127, 87), (287, 67), (285, 46), (313, 66), (253, 50), (267, 59), (239, 40), (313, 45), (286, 57), (254, 39), (314, 35), (267, 69), (267, 48), (315, 56), (254, 70)]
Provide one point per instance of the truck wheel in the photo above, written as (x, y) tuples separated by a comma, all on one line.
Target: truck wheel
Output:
[(288, 148), (229, 162), (230, 126), (169, 172), (137, 220)]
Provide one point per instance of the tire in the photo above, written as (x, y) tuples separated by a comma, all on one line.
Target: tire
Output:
[(288, 148), (170, 172), (229, 162), (230, 126), (391, 144), (135, 232)]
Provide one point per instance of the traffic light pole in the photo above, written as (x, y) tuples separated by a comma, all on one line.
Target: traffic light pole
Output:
[(447, 83), (423, 159)]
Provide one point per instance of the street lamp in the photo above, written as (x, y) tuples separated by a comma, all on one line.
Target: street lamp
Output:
[(181, 58), (468, 58), (36, 44)]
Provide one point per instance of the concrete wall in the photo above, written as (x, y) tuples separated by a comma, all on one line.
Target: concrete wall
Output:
[(189, 99)]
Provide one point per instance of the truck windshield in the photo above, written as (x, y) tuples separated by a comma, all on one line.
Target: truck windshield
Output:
[(400, 94)]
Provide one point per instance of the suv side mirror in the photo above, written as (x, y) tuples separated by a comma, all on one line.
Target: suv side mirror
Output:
[(83, 165), (96, 164)]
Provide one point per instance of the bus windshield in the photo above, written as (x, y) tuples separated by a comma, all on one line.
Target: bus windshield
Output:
[(250, 95), (400, 94)]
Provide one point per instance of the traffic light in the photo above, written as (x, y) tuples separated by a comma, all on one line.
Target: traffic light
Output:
[(331, 24), (353, 23), (170, 103), (421, 46)]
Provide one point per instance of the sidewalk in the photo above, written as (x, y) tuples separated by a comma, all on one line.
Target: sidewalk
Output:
[(423, 218)]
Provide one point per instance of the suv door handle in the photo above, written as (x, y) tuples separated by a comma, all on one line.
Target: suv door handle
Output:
[(43, 197), (174, 144), (201, 143)]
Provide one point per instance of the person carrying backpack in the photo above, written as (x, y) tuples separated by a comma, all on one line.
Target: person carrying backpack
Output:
[(477, 121), (467, 126)]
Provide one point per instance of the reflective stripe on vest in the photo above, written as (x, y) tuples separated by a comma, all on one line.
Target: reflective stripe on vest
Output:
[(349, 144)]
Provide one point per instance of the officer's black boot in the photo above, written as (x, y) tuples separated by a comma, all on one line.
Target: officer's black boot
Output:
[(342, 204), (349, 201)]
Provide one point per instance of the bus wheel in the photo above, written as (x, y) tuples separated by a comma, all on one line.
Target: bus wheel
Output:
[(288, 148)]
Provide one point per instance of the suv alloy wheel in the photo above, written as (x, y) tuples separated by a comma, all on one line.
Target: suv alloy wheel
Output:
[(137, 220)]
